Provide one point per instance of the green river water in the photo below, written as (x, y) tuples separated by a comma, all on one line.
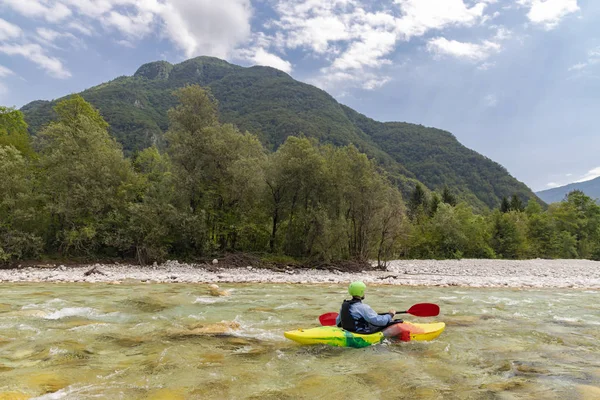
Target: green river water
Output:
[(175, 341)]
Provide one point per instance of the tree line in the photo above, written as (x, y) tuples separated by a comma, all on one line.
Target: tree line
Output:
[(70, 192)]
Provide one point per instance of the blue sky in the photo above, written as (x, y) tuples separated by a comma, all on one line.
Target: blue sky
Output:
[(516, 80)]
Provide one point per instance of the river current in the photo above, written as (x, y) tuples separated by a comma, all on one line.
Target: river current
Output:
[(177, 341)]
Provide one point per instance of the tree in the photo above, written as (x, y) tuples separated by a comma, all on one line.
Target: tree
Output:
[(218, 173), (508, 238), (448, 197), (417, 203), (516, 204), (13, 131), (434, 204), (85, 177), (505, 205), (20, 222)]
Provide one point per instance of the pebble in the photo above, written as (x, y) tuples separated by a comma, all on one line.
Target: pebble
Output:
[(575, 274)]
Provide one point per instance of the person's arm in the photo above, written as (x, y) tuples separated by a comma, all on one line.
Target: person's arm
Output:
[(338, 319), (372, 317)]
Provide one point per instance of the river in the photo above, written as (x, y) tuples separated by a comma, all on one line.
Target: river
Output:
[(176, 341)]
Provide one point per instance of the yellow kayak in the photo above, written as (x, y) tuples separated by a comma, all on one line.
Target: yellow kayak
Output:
[(335, 336)]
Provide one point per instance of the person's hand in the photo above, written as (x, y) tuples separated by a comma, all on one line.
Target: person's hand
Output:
[(392, 312)]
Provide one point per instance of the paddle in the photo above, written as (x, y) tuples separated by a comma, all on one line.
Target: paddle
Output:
[(419, 310)]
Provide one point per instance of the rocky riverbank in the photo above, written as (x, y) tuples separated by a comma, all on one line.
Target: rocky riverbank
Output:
[(470, 273)]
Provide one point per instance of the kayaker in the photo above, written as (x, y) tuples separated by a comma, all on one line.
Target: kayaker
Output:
[(356, 316)]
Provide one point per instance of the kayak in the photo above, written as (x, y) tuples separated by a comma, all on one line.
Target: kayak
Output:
[(334, 336)]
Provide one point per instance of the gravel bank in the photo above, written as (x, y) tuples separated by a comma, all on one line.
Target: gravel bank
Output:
[(473, 273)]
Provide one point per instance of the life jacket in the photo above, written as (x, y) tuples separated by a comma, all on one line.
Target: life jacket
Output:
[(348, 322)]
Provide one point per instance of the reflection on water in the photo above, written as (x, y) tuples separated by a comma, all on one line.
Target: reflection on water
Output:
[(179, 342)]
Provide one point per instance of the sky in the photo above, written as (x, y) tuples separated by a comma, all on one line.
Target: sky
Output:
[(515, 80)]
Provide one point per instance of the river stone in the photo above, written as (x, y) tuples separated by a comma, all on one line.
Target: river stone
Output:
[(589, 392), (4, 368), (502, 386), (166, 394), (13, 396), (215, 329), (212, 358), (48, 382)]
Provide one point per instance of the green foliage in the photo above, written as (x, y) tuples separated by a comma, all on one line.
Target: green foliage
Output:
[(85, 178), (210, 188), (13, 131), (270, 104), (20, 220)]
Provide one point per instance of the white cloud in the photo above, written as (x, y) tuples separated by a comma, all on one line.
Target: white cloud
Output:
[(491, 100), (8, 30), (76, 26), (357, 37), (549, 13), (49, 36), (421, 16), (50, 11), (593, 58), (552, 184), (260, 56), (5, 71), (337, 81), (486, 65), (591, 174), (207, 27), (470, 51), (36, 54)]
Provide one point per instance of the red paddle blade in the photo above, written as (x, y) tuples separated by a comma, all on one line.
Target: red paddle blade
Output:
[(424, 310), (328, 319)]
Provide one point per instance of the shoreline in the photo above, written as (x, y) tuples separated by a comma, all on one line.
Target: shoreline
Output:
[(537, 273)]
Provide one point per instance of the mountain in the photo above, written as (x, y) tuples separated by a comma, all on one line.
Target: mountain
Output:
[(271, 104), (590, 188)]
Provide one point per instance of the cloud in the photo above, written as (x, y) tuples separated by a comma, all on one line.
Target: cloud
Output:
[(470, 51), (421, 16), (8, 30), (259, 56), (199, 27), (591, 174), (207, 27), (35, 53), (593, 57), (486, 65), (549, 13), (552, 184), (4, 72), (49, 36), (76, 26), (491, 100), (356, 37), (55, 12)]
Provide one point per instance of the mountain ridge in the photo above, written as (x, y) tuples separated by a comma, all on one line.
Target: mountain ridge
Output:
[(590, 188), (272, 105)]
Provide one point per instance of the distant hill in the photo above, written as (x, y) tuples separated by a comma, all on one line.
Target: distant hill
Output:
[(271, 104), (590, 188)]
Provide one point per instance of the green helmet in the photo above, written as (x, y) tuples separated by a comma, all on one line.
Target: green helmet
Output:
[(357, 289)]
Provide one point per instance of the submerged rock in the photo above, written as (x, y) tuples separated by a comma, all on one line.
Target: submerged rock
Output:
[(48, 382), (589, 392), (14, 396), (166, 394), (214, 290)]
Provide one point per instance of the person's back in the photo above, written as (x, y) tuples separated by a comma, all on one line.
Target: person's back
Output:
[(356, 316)]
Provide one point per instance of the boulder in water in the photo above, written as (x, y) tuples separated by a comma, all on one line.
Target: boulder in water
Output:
[(216, 291)]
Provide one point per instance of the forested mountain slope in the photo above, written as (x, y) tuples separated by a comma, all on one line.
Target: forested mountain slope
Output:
[(271, 104)]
